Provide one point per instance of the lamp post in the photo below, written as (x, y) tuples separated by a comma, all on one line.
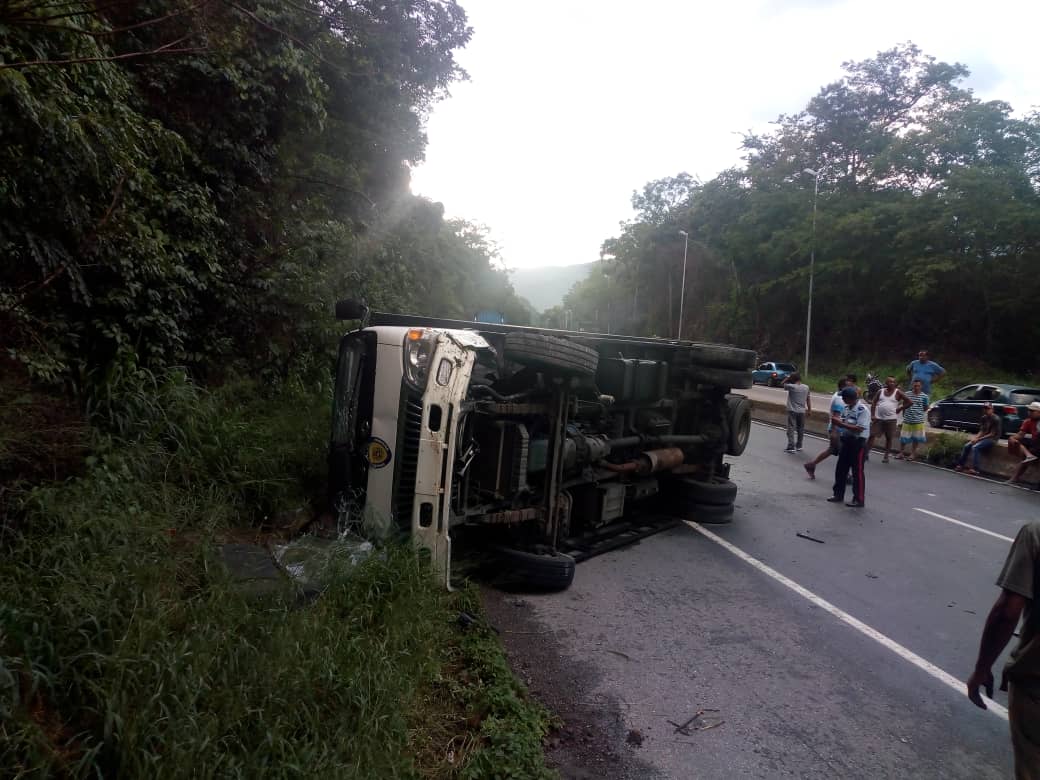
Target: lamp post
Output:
[(682, 291), (812, 265)]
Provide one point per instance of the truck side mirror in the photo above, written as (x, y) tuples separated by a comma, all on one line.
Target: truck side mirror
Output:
[(347, 309)]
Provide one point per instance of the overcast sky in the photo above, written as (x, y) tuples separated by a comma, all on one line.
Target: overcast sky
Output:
[(573, 105)]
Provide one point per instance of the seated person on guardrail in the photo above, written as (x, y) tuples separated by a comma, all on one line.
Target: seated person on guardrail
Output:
[(1025, 444), (989, 432)]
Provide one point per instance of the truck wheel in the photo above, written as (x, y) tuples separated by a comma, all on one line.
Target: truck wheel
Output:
[(720, 377), (717, 491), (710, 514), (550, 353), (739, 412), (535, 571), (722, 356)]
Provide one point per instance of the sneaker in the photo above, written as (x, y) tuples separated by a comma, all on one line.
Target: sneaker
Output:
[(789, 450), (854, 504), (810, 469), (1029, 458), (798, 449), (835, 500)]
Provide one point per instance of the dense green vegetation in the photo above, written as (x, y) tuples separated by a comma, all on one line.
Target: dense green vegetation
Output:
[(927, 230), (203, 204), (125, 650), (185, 188)]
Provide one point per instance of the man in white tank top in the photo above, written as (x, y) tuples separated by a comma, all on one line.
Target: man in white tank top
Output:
[(885, 410)]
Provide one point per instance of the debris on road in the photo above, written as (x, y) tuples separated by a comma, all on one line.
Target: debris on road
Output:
[(626, 656), (634, 738), (810, 538), (872, 575), (684, 728)]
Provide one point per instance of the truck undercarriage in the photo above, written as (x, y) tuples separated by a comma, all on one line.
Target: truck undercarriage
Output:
[(552, 446)]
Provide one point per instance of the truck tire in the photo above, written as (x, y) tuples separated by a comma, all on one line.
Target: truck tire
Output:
[(739, 414), (551, 354), (717, 491), (535, 571), (720, 377), (722, 356), (710, 514)]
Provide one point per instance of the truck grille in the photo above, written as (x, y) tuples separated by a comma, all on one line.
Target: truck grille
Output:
[(408, 460)]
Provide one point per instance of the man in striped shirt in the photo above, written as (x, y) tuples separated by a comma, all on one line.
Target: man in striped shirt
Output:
[(913, 422)]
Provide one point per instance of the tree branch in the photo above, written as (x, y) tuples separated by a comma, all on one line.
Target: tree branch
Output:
[(166, 48), (103, 33), (84, 246)]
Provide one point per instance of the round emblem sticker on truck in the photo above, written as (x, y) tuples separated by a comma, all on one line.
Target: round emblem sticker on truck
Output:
[(377, 453)]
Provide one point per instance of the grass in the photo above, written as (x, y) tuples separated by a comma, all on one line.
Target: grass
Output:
[(126, 651)]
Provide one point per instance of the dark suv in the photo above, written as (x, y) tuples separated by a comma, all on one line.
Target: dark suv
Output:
[(963, 409)]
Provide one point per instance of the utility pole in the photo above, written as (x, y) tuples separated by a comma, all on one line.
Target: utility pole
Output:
[(812, 265), (682, 292)]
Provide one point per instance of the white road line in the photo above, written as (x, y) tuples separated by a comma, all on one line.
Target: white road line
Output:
[(966, 525), (845, 617)]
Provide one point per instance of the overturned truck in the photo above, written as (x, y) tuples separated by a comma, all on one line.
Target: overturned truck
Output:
[(542, 447)]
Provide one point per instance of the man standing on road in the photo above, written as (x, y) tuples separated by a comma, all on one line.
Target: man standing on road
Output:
[(798, 405), (884, 412), (1019, 581), (854, 425), (913, 422), (926, 370), (1025, 443), (837, 406), (989, 432)]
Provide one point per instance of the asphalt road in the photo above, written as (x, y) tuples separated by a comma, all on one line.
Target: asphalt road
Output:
[(680, 623)]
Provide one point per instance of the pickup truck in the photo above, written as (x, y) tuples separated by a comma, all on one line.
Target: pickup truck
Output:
[(537, 446)]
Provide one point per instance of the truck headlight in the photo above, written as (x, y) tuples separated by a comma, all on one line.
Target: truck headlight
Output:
[(419, 345)]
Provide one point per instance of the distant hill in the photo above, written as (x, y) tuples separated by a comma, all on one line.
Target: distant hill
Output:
[(545, 287)]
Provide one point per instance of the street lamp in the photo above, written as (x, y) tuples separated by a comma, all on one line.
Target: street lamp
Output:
[(812, 265), (682, 292)]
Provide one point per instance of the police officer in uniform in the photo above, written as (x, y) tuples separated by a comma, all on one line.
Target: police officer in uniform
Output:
[(854, 427)]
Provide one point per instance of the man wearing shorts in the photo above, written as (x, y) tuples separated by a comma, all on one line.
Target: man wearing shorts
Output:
[(884, 410), (913, 422), (837, 406), (1019, 582), (1025, 444)]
